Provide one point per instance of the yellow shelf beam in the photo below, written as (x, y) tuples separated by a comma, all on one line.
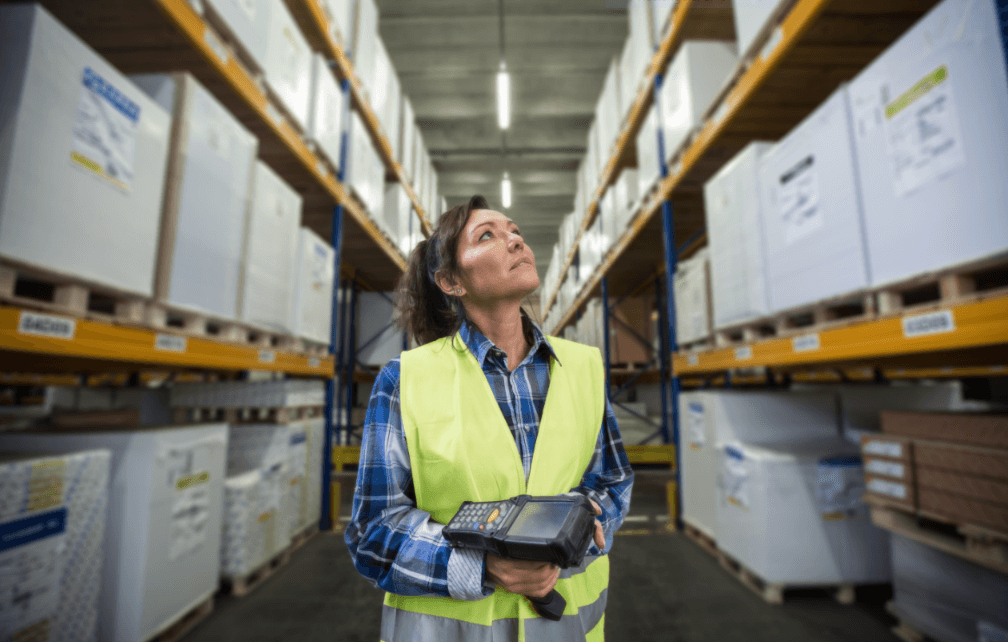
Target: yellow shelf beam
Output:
[(346, 71), (969, 325), (137, 348), (208, 43)]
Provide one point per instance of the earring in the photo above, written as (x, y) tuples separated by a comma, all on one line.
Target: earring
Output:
[(459, 292)]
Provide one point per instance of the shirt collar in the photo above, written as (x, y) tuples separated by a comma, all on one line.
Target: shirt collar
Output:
[(481, 346)]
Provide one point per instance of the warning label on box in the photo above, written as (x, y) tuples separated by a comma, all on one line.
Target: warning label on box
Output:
[(922, 133), (105, 131), (799, 200)]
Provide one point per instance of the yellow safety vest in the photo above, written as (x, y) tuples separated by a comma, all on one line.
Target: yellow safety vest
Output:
[(461, 449)]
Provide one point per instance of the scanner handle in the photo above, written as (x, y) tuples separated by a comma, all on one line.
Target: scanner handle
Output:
[(550, 607)]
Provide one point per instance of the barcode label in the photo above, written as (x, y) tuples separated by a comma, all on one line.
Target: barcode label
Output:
[(923, 325), (170, 343), (267, 356), (892, 489), (743, 353), (805, 343), (314, 362), (215, 45), (45, 325), (693, 360), (887, 468), (884, 448)]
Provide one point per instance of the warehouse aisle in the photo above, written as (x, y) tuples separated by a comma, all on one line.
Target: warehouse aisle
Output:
[(663, 587)]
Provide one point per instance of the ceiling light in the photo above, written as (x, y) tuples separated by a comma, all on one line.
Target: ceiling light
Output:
[(506, 191), (503, 97)]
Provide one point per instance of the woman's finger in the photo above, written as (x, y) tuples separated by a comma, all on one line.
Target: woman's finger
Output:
[(599, 535)]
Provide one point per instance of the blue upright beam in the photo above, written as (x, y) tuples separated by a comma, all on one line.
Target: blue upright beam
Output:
[(325, 522), (351, 360)]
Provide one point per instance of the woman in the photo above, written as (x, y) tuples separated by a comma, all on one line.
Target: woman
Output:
[(460, 418)]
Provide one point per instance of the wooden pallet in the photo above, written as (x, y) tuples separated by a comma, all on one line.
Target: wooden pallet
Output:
[(186, 623), (245, 584), (701, 539), (905, 630), (773, 593), (284, 415), (302, 538), (975, 543)]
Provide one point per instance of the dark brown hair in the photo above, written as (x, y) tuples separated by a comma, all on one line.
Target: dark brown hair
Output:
[(423, 309)]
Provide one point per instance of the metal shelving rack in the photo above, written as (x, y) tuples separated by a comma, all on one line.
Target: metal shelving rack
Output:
[(168, 35), (815, 46)]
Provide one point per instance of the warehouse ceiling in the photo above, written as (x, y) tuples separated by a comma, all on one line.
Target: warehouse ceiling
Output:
[(447, 53)]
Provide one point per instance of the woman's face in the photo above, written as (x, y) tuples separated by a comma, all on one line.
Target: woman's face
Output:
[(494, 261)]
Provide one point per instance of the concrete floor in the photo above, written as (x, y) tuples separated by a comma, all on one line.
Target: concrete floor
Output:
[(662, 587)]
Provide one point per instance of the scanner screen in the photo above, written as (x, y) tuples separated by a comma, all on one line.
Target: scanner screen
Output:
[(540, 520)]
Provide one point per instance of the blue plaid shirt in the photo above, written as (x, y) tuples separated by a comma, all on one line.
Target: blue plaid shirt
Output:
[(396, 546)]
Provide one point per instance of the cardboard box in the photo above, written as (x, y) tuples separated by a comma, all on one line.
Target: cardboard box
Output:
[(811, 211), (982, 462), (934, 196), (964, 485), (961, 509), (984, 430), (735, 239), (630, 332), (901, 494), (207, 198), (325, 113), (53, 544), (78, 137), (271, 252)]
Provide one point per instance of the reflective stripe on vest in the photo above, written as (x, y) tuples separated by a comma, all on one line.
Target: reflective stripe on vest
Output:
[(461, 449)]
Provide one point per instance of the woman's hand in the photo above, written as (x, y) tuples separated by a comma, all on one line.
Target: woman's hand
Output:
[(599, 533), (534, 579)]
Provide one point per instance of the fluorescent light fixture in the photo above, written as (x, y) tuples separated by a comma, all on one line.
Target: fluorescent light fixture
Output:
[(506, 191), (503, 97)]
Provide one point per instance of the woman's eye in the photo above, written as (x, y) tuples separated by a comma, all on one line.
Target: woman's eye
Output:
[(486, 235)]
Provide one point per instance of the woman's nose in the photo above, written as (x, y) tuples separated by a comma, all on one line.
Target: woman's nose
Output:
[(517, 242)]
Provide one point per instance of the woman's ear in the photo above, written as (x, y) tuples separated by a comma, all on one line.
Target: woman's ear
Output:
[(447, 284)]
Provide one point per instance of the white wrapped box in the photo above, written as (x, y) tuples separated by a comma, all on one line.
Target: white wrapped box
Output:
[(209, 189), (407, 136), (641, 36), (772, 417), (861, 405), (735, 238), (930, 130), (648, 163), (379, 93), (271, 252), (946, 597), (661, 13), (246, 23), (280, 393), (366, 170), (378, 342), (607, 114), (52, 533), (338, 13), (249, 525), (288, 64), (751, 18), (162, 542), (80, 137), (811, 210), (625, 199), (313, 288), (314, 456), (692, 298), (297, 466), (700, 459), (363, 49), (692, 81), (592, 163), (793, 514), (265, 449), (398, 207), (629, 81), (325, 112), (609, 213)]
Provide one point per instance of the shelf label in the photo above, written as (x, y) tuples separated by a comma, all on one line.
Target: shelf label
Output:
[(267, 356), (170, 343), (775, 39), (721, 112), (805, 343), (314, 362), (273, 114), (45, 325), (923, 325), (743, 353), (693, 360), (320, 168), (216, 46)]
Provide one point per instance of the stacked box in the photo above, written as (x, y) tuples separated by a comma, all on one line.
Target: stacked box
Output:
[(752, 17), (607, 113), (625, 199), (934, 195), (53, 523), (946, 597), (692, 81), (609, 211), (379, 340), (632, 320), (593, 163), (793, 514), (270, 252), (407, 139), (661, 13), (648, 163), (297, 466), (280, 393), (773, 417), (642, 39), (315, 433), (338, 13), (246, 24), (379, 94), (889, 470), (151, 404), (363, 48), (288, 64), (163, 536), (366, 169), (735, 238), (398, 207), (313, 288), (692, 298), (77, 131), (811, 209), (265, 449), (209, 189), (629, 81), (325, 112), (699, 459), (250, 524)]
